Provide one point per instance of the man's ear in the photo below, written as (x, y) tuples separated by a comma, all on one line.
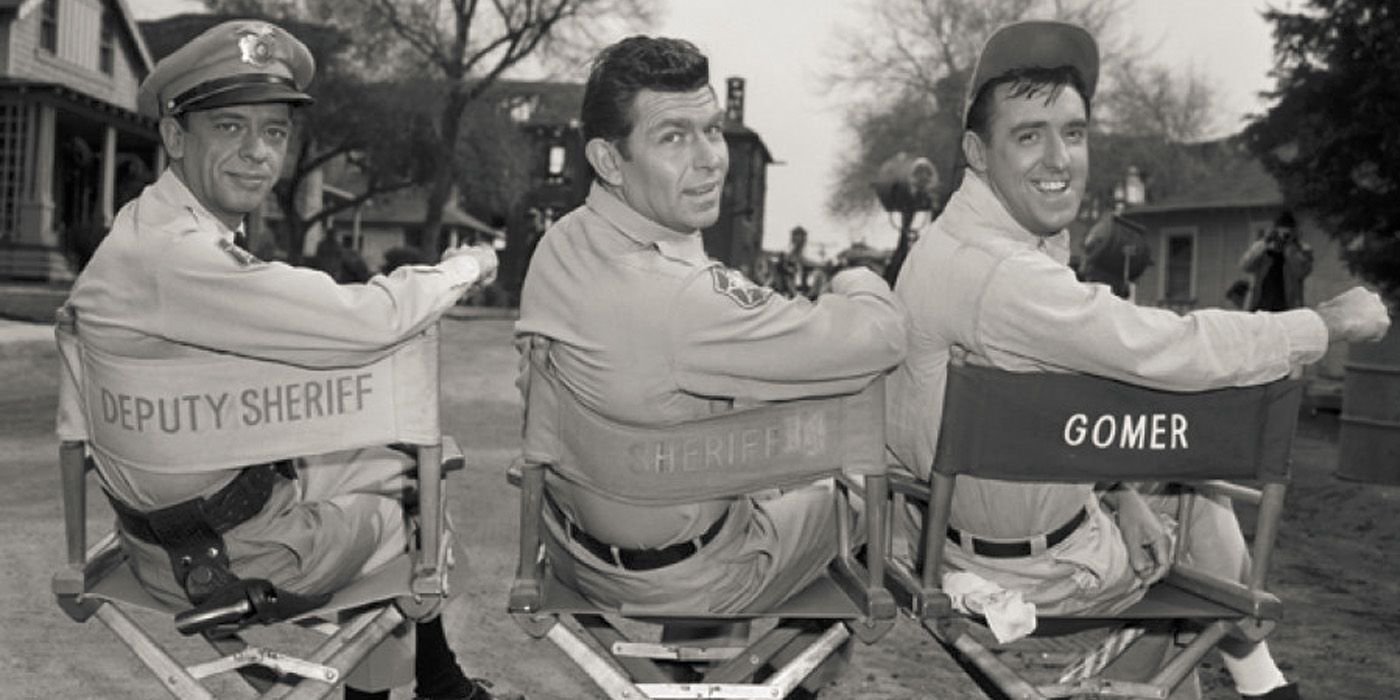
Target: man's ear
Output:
[(603, 155), (172, 135), (974, 151)]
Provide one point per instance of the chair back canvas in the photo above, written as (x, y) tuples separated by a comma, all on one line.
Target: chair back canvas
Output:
[(216, 411), (741, 451), (1073, 427)]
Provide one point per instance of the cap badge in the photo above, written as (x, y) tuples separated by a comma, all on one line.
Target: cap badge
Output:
[(256, 45)]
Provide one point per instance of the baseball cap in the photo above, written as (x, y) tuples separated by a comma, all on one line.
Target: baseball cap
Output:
[(235, 62), (1035, 44)]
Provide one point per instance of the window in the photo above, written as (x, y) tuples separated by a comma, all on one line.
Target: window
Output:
[(48, 26), (107, 44), (522, 107), (1178, 280), (556, 161), (14, 135)]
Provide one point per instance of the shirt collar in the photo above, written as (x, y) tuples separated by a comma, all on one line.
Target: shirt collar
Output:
[(682, 246), (172, 189), (976, 199)]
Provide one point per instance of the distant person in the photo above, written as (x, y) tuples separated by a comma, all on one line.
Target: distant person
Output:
[(1278, 263)]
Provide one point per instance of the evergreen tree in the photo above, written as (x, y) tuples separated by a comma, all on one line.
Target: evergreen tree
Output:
[(1331, 137)]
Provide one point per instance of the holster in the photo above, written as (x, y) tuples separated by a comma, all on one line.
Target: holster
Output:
[(192, 534)]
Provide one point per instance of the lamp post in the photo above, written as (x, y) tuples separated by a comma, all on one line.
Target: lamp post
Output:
[(905, 186)]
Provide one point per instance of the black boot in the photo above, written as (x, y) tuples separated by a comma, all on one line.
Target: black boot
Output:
[(436, 671)]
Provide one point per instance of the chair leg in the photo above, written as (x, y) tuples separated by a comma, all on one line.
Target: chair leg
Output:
[(177, 680), (343, 651), (743, 667), (967, 651), (604, 675), (261, 679)]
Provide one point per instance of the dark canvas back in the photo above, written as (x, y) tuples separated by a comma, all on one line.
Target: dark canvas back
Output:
[(1072, 427)]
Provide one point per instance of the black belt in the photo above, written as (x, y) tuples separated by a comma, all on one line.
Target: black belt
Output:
[(635, 559), (227, 508), (1021, 548)]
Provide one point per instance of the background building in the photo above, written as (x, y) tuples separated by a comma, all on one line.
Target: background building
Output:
[(72, 147)]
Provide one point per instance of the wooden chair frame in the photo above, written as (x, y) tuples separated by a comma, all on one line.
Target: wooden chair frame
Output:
[(624, 668), (976, 406), (98, 582)]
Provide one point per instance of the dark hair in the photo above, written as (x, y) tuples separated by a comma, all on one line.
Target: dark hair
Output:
[(626, 68), (1025, 82), (1285, 220)]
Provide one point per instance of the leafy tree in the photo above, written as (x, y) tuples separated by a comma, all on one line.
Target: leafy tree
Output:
[(906, 73), (1330, 139)]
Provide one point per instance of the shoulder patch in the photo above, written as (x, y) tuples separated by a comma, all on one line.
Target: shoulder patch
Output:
[(240, 256), (733, 284)]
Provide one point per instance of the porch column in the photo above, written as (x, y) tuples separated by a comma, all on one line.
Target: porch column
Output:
[(36, 207), (109, 174), (40, 255)]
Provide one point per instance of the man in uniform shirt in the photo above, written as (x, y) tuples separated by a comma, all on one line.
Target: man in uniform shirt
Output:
[(645, 328), (171, 280), (990, 283)]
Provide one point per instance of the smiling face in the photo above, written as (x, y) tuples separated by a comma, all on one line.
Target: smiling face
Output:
[(670, 168), (1035, 157), (229, 157)]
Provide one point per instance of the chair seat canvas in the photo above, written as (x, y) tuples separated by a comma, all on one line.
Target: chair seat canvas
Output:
[(822, 599), (392, 579)]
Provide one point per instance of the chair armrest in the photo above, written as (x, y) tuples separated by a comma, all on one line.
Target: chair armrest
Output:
[(453, 459), (526, 591), (72, 458), (429, 559)]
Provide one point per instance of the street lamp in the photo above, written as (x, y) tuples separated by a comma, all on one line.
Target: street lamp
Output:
[(905, 186)]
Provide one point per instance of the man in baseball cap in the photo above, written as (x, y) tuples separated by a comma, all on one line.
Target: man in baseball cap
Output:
[(173, 279), (991, 278)]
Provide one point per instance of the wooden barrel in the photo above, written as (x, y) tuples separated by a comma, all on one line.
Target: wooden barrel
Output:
[(1370, 430)]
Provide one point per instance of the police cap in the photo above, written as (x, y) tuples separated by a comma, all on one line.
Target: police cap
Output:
[(236, 62)]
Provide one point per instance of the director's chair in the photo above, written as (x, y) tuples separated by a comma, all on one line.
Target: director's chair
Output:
[(839, 437), (1044, 427), (103, 401)]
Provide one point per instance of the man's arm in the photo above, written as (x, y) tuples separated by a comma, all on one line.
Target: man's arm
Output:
[(211, 298), (754, 344), (1145, 536), (1034, 309), (1254, 256)]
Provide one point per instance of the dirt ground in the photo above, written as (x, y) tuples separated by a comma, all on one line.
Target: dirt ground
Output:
[(1338, 565)]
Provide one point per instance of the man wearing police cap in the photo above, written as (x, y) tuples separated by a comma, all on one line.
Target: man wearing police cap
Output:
[(990, 282), (173, 279)]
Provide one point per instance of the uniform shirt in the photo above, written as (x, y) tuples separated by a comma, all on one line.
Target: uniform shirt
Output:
[(649, 330), (981, 286), (167, 281)]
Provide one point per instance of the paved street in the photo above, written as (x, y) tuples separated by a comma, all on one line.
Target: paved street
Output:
[(1337, 569)]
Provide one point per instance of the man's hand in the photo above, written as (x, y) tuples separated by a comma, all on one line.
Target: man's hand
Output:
[(485, 257), (1356, 315), (1147, 539)]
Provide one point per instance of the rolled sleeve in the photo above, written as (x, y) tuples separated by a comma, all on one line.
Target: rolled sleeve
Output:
[(1035, 308), (212, 299), (785, 348)]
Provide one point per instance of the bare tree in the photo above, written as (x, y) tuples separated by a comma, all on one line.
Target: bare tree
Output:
[(465, 46), (1151, 100)]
